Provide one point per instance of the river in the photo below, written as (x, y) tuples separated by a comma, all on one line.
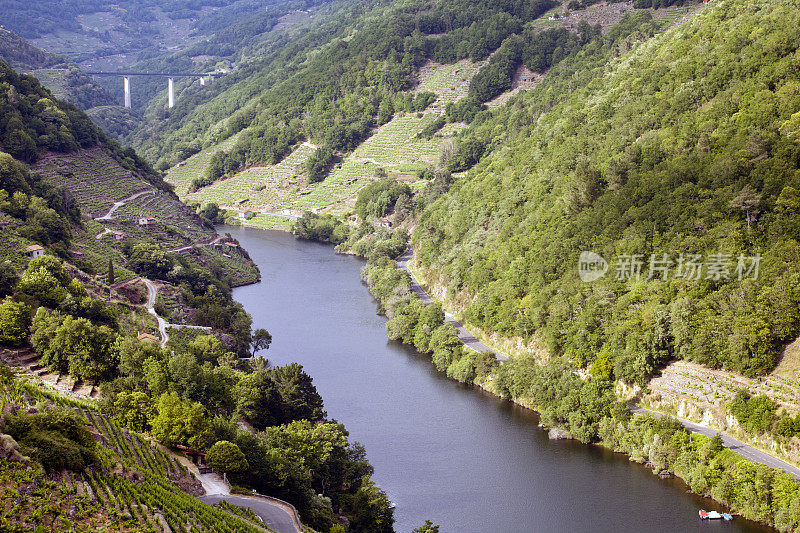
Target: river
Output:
[(441, 450)]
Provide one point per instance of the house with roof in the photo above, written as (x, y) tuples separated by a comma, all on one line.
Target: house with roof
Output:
[(33, 251), (246, 214), (147, 337), (146, 221)]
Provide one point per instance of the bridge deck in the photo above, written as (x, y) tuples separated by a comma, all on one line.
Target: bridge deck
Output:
[(156, 74)]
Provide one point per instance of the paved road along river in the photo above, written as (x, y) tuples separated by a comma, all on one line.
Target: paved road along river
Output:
[(443, 451)]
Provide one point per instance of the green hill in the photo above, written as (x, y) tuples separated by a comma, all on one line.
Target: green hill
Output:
[(63, 78), (99, 260), (686, 145), (130, 485)]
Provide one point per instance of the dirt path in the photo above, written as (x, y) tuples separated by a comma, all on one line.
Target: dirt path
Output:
[(197, 244), (122, 202), (152, 291)]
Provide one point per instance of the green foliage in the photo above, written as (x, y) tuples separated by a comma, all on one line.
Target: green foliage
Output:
[(261, 340), (324, 228), (8, 278), (373, 244), (662, 152), (134, 410), (756, 414), (225, 456), (380, 197), (15, 319), (319, 163), (180, 422), (74, 345), (211, 214), (412, 323), (464, 110), (427, 527), (54, 436)]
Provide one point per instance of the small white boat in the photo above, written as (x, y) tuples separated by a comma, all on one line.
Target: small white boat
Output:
[(713, 515)]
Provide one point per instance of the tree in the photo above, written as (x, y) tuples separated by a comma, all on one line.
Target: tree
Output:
[(427, 527), (300, 399), (181, 422), (8, 278), (748, 201), (261, 340), (225, 456), (134, 410), (257, 399), (15, 319)]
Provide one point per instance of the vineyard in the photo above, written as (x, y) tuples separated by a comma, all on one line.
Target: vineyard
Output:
[(92, 176), (137, 487), (181, 176), (393, 147), (11, 244)]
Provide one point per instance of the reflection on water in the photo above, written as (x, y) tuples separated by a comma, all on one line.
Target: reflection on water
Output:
[(443, 451)]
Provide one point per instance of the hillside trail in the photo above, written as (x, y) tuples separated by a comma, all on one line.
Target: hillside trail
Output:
[(122, 202), (152, 291)]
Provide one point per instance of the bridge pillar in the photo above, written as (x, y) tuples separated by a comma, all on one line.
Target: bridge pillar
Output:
[(126, 87), (171, 95)]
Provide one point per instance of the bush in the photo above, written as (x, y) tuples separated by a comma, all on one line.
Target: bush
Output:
[(54, 437)]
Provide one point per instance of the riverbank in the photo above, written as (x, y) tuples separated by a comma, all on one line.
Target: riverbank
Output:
[(430, 438), (471, 370), (615, 430)]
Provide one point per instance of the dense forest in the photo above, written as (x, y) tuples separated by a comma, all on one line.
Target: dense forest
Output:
[(685, 149)]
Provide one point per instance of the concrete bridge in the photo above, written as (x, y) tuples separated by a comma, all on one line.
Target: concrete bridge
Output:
[(126, 81)]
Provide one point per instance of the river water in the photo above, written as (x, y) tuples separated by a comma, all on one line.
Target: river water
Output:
[(441, 450)]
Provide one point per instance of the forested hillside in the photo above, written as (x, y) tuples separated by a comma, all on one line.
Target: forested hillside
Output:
[(687, 148), (98, 260), (334, 82), (63, 78)]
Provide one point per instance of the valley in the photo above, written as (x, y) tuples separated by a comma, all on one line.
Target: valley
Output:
[(548, 208)]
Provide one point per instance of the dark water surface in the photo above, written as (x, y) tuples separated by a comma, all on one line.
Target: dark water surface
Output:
[(443, 451)]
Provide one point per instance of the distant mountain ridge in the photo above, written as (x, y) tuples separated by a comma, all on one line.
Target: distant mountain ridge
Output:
[(64, 78)]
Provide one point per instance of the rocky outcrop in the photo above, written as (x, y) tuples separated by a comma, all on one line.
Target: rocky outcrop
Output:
[(559, 434)]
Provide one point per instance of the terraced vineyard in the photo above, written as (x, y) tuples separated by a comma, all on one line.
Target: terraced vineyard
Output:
[(265, 187), (11, 244), (93, 177), (182, 176), (449, 82), (281, 188), (135, 488)]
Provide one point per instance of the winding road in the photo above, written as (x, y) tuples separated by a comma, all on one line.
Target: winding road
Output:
[(464, 335), (152, 291), (122, 202), (275, 514), (745, 450)]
